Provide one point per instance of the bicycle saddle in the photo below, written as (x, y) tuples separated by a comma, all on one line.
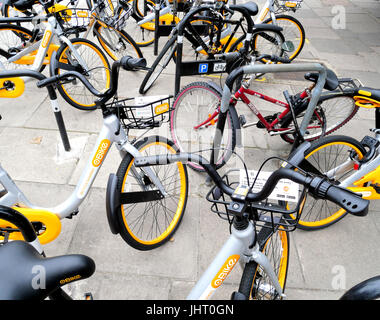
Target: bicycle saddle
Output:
[(26, 275), (331, 83), (251, 7), (367, 92)]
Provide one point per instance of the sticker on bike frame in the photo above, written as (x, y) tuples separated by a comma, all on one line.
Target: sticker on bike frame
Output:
[(146, 112), (285, 189), (101, 152), (220, 67), (203, 68), (222, 274)]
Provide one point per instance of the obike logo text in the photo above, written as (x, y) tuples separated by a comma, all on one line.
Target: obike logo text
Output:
[(161, 108), (224, 271), (253, 108), (46, 39), (101, 152), (67, 280), (82, 14)]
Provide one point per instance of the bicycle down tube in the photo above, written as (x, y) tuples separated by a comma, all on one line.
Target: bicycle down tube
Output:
[(234, 249)]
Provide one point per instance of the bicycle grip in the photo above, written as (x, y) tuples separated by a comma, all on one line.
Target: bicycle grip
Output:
[(280, 59), (48, 81), (348, 200), (128, 63)]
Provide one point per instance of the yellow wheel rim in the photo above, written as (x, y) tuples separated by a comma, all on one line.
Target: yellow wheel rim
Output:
[(338, 214), (63, 59), (181, 202)]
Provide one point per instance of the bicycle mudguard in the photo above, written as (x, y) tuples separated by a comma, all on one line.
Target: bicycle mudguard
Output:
[(48, 219), (112, 203), (11, 87)]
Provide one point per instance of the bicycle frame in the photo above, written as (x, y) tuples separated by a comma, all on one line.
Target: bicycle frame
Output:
[(368, 172), (270, 126), (267, 8), (236, 248), (42, 46), (109, 134), (150, 17)]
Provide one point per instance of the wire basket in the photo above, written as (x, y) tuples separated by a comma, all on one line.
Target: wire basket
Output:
[(284, 5), (143, 115), (72, 18), (270, 213)]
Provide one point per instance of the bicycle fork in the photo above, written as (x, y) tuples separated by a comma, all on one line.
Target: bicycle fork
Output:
[(235, 248)]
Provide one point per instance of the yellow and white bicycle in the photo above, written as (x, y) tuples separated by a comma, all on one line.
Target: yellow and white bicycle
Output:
[(144, 205), (346, 162)]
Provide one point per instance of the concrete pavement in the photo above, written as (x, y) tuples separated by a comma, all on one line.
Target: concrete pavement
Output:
[(28, 145)]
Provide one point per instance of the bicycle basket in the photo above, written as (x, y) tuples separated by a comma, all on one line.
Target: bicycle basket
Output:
[(73, 18), (147, 112), (284, 5), (279, 209)]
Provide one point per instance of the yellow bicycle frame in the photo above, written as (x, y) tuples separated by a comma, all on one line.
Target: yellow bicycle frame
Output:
[(16, 91), (49, 220)]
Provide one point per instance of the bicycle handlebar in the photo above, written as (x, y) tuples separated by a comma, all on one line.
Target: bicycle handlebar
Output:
[(318, 187), (127, 63)]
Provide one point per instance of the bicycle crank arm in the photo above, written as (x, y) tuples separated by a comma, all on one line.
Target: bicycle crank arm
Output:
[(249, 125), (277, 133)]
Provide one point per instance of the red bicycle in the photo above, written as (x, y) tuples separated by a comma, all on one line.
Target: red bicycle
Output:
[(196, 109)]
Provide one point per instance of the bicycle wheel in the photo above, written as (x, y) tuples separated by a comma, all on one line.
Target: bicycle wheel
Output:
[(161, 62), (255, 284), (12, 39), (292, 31), (147, 225), (193, 123), (329, 157), (75, 93), (332, 112), (116, 43)]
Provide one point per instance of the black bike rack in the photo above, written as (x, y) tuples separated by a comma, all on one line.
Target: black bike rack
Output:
[(52, 96), (205, 67), (164, 30)]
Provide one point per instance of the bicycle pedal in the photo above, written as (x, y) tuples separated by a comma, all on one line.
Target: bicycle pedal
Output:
[(242, 120)]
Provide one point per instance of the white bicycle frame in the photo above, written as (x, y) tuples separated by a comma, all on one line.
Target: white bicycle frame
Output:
[(110, 133), (51, 29), (236, 248), (365, 168)]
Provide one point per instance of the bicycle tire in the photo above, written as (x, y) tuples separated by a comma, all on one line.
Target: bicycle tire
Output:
[(122, 43), (16, 35), (282, 18), (331, 110), (84, 100), (317, 217), (259, 34), (166, 54), (130, 230), (180, 111), (251, 285)]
